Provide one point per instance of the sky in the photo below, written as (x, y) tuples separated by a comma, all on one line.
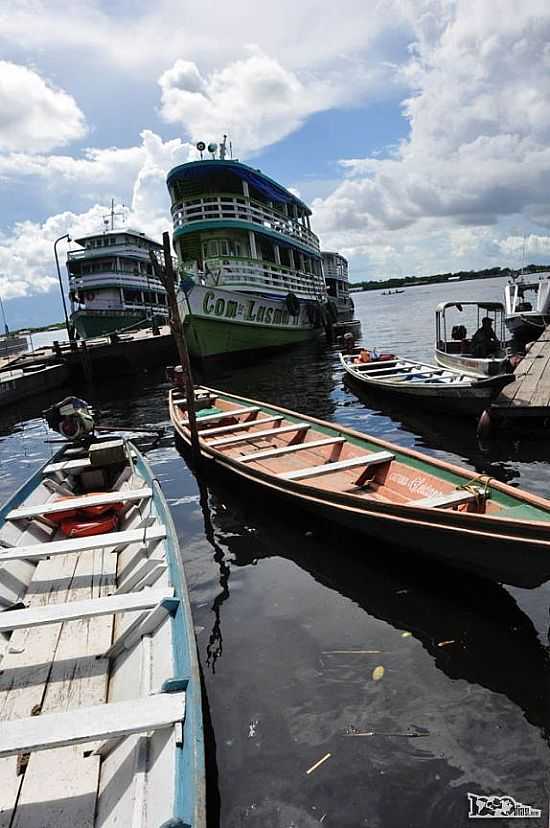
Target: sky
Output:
[(417, 130)]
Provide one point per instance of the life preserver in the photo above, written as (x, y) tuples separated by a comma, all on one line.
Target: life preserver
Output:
[(90, 296), (85, 512), (293, 304), (76, 527)]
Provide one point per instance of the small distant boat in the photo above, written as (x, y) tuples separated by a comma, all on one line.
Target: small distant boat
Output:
[(453, 343), (527, 301), (383, 490), (391, 292), (423, 383), (101, 697)]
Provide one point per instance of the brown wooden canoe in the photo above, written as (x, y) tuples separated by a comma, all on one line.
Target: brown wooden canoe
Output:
[(383, 490)]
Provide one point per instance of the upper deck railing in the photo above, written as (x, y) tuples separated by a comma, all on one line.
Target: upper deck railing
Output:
[(222, 206), (262, 276)]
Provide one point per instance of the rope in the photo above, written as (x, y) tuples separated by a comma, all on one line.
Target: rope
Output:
[(470, 486)]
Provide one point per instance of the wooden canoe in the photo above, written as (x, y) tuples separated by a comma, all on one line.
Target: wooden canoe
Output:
[(367, 484), (422, 383), (101, 721)]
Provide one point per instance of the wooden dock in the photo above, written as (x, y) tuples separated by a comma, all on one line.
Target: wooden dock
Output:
[(529, 396)]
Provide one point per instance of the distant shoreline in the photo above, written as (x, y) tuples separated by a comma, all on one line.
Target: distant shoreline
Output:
[(443, 278)]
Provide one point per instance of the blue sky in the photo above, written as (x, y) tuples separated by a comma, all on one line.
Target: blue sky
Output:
[(417, 129)]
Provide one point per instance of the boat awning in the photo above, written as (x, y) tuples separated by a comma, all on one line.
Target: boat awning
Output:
[(488, 306), (265, 185)]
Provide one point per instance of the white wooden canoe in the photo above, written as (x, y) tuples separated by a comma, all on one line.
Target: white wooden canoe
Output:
[(100, 696), (421, 383)]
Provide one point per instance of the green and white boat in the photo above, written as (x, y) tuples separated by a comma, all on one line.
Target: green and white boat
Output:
[(250, 265), (111, 283)]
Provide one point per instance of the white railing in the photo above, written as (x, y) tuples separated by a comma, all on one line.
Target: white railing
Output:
[(216, 207), (261, 276), (131, 280), (118, 249)]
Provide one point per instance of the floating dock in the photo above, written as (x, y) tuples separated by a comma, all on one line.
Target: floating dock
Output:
[(528, 398), (103, 357)]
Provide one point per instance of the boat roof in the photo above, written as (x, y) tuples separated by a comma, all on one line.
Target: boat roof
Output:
[(258, 179), (126, 231), (488, 306)]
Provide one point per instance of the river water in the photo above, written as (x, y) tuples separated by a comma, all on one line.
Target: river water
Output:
[(293, 617)]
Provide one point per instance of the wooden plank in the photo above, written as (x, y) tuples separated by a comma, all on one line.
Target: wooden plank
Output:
[(111, 540), (368, 366), (28, 658), (328, 468), (53, 614), (78, 678), (259, 435), (87, 724), (443, 501), (253, 409), (239, 426), (68, 466), (277, 452), (79, 502)]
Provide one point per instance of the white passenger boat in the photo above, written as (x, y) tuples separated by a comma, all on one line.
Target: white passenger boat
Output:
[(527, 301), (250, 265), (453, 342), (112, 287), (424, 384), (100, 721), (335, 271)]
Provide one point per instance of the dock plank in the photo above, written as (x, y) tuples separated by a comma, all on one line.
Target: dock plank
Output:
[(530, 393)]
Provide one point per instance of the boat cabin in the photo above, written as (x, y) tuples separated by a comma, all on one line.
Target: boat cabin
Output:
[(456, 324)]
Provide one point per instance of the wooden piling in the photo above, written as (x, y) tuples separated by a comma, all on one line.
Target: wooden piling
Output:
[(168, 278)]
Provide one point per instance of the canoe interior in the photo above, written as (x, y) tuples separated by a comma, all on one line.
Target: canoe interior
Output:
[(99, 659), (406, 479)]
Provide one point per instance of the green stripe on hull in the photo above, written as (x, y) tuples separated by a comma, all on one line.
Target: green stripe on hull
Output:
[(89, 325), (210, 337)]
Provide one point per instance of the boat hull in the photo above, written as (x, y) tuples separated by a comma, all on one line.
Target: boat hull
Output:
[(471, 365), (527, 326), (89, 324), (497, 549), (219, 321), (453, 400)]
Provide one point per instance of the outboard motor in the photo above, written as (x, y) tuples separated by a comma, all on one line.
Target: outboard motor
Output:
[(72, 418)]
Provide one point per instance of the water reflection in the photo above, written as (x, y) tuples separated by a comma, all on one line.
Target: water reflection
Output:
[(472, 629)]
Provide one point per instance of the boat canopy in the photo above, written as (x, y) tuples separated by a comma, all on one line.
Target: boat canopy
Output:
[(265, 185), (488, 306)]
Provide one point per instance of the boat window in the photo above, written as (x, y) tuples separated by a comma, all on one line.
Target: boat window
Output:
[(212, 248), (224, 247)]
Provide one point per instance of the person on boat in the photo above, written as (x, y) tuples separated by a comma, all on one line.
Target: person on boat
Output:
[(484, 341)]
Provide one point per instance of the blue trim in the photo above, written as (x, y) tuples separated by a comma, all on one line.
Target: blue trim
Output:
[(189, 799), (243, 171), (289, 241)]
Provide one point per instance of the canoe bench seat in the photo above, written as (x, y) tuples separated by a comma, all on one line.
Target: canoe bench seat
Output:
[(444, 501), (89, 724), (366, 460), (223, 415), (79, 502)]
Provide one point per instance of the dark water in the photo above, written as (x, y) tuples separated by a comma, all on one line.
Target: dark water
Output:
[(292, 616)]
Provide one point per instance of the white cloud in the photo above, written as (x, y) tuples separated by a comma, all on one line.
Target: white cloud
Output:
[(27, 265), (478, 150), (256, 99), (34, 115)]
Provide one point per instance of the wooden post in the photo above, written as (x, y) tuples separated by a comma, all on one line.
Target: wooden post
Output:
[(167, 277)]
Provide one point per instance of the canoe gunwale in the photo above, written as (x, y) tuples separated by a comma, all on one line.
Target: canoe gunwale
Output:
[(340, 430)]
